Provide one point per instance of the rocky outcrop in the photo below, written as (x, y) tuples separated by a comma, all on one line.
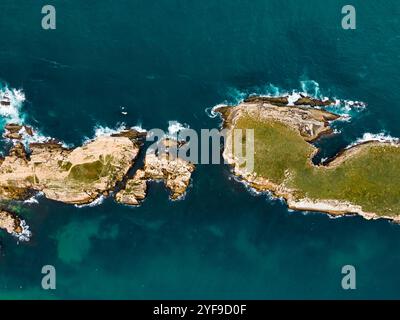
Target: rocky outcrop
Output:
[(311, 123), (15, 131), (164, 165), (5, 102), (137, 137), (76, 176), (10, 222), (312, 102), (284, 101), (135, 189), (278, 101), (13, 225), (174, 171)]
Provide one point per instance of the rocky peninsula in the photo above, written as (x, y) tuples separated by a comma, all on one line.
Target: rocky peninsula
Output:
[(361, 179)]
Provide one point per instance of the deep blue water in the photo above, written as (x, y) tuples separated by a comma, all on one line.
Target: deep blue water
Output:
[(170, 60)]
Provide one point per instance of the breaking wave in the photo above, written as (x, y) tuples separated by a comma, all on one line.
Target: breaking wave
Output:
[(98, 201), (11, 101), (34, 199), (25, 235), (347, 109), (100, 131), (174, 127), (107, 131), (211, 110), (380, 137)]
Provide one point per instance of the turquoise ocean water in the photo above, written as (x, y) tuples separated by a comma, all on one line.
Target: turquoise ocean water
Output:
[(163, 61)]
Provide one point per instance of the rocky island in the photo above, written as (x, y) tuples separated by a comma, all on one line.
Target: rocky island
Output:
[(83, 174), (75, 176), (362, 179)]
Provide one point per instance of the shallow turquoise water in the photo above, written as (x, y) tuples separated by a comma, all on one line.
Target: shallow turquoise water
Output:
[(170, 60)]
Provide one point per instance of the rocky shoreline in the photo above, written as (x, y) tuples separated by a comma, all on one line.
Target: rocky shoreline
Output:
[(15, 131), (167, 166), (74, 176), (102, 166), (81, 175), (311, 124)]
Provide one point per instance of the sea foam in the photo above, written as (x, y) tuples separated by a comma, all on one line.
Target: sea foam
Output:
[(12, 113), (25, 235), (174, 127), (347, 109), (15, 98), (101, 131), (98, 201), (380, 137)]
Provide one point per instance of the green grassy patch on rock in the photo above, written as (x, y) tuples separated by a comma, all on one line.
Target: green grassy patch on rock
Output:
[(370, 178), (92, 171)]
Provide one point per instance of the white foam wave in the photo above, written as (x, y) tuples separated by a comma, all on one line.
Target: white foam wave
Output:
[(270, 196), (100, 131), (380, 137), (31, 200), (174, 128), (138, 128), (25, 235), (293, 97), (94, 203), (38, 137), (11, 103), (211, 111), (311, 88), (34, 199), (107, 131), (347, 109)]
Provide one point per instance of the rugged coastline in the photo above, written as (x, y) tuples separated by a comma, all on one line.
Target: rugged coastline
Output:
[(284, 134), (74, 176), (83, 174), (164, 166), (274, 118)]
